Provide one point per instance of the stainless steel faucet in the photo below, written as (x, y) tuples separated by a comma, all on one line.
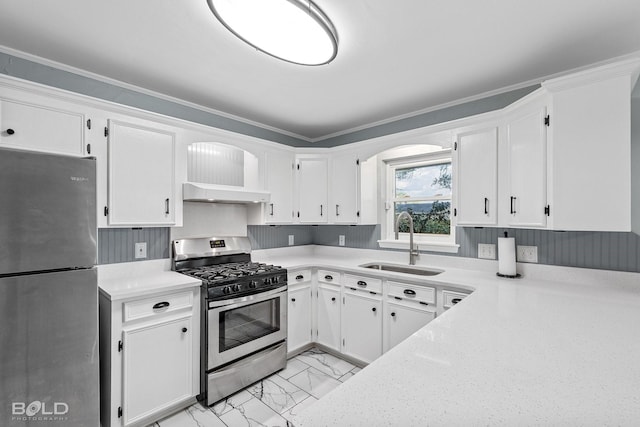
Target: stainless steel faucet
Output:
[(413, 253)]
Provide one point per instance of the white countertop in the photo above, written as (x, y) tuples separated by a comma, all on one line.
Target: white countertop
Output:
[(135, 279), (558, 347)]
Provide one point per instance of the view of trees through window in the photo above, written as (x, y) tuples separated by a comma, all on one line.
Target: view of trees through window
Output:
[(425, 193)]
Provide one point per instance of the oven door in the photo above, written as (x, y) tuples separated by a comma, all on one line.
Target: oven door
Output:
[(245, 325)]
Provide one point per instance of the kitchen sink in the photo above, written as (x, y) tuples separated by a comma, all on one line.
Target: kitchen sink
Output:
[(407, 269)]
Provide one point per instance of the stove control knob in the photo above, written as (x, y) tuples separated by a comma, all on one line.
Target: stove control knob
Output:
[(253, 284), (226, 290), (236, 288), (267, 280)]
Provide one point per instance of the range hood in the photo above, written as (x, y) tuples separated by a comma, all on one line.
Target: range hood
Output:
[(214, 193)]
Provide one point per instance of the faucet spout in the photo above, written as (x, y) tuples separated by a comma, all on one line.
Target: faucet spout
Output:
[(412, 253)]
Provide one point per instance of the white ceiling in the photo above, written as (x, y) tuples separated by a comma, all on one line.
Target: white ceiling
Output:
[(395, 58)]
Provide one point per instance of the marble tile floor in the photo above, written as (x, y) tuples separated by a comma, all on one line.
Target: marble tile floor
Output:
[(274, 400)]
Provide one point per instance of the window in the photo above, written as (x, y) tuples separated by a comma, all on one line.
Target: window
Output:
[(422, 187)]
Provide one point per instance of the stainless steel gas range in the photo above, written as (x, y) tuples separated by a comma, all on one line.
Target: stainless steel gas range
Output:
[(244, 313)]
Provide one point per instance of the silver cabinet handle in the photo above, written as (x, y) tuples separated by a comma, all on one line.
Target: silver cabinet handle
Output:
[(337, 211), (320, 210), (166, 206), (486, 206), (271, 204)]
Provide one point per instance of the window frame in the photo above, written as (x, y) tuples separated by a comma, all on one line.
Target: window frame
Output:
[(431, 242)]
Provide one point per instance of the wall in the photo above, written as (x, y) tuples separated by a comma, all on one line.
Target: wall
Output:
[(601, 250), (29, 70), (117, 244), (269, 236), (590, 250)]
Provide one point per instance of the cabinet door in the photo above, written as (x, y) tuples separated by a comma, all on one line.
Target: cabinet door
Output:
[(362, 326), (345, 180), (157, 367), (404, 320), (34, 127), (141, 175), (527, 151), (312, 190), (299, 317), (279, 176), (329, 316), (477, 172)]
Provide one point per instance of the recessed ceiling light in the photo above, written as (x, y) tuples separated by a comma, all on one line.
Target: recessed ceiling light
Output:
[(292, 30)]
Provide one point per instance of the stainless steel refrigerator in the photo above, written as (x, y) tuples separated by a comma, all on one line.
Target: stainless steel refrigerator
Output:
[(49, 367)]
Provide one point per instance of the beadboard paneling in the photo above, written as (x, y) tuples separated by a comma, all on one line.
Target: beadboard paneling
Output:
[(585, 249), (356, 236), (118, 244), (277, 236)]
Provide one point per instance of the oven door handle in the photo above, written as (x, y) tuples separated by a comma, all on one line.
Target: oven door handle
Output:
[(249, 298)]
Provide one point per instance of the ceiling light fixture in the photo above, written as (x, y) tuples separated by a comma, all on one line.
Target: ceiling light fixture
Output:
[(296, 31)]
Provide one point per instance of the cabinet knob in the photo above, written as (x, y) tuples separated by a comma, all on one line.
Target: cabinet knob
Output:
[(10, 131), (184, 329), (456, 300), (373, 309), (293, 300), (393, 314), (333, 299)]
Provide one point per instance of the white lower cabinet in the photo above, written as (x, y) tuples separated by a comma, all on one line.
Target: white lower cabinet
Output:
[(156, 367), (328, 327), (149, 356), (405, 318), (299, 316), (362, 325)]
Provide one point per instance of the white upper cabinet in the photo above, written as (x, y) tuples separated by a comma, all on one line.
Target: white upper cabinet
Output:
[(343, 190), (141, 175), (312, 190), (477, 177), (526, 135), (590, 144), (279, 182), (54, 128)]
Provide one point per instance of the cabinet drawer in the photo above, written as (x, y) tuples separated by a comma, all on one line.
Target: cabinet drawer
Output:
[(451, 298), (412, 292), (327, 276), (299, 276), (365, 283), (157, 305)]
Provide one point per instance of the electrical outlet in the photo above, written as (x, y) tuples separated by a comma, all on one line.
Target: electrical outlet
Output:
[(141, 250), (486, 251), (341, 241), (290, 239), (527, 254)]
